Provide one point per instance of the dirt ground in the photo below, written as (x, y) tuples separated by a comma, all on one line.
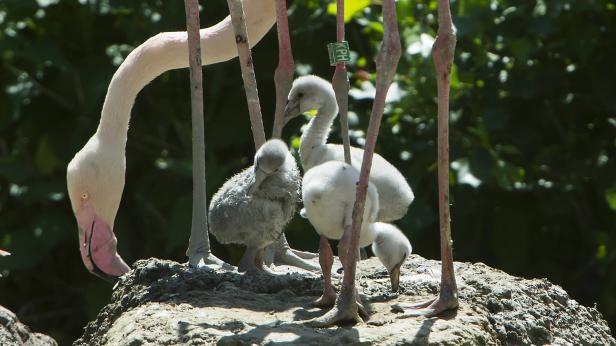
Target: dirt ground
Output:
[(166, 303)]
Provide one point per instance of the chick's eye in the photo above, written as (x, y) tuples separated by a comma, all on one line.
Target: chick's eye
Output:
[(300, 95)]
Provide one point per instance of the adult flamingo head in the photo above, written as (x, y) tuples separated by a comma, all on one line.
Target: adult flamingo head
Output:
[(95, 180)]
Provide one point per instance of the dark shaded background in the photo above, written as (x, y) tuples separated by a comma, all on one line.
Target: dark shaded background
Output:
[(533, 138)]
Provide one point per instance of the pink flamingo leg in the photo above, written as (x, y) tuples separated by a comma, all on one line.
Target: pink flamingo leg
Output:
[(198, 252), (347, 306), (340, 83), (442, 54), (283, 76), (248, 72)]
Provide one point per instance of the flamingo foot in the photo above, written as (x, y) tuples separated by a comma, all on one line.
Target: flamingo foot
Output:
[(430, 308), (252, 263), (348, 308), (305, 254), (291, 257), (208, 261), (327, 299), (280, 253), (264, 269)]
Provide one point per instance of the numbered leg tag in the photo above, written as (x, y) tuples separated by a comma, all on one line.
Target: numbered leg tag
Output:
[(338, 52)]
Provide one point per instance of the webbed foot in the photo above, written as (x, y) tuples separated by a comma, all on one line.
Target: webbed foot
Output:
[(430, 308), (348, 308), (208, 261)]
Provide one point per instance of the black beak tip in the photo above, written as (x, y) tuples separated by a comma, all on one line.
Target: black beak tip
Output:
[(395, 285), (112, 279), (106, 277), (394, 277)]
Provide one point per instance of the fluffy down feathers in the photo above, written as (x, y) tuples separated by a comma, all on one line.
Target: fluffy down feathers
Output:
[(256, 218), (391, 246), (328, 192), (312, 92)]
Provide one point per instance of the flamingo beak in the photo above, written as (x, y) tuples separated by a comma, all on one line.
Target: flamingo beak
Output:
[(394, 276), (98, 246), (291, 110), (260, 176)]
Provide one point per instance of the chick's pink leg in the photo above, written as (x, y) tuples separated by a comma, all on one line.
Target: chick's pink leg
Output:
[(326, 259)]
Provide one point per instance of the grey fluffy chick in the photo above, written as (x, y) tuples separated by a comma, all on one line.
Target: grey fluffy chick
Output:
[(253, 207)]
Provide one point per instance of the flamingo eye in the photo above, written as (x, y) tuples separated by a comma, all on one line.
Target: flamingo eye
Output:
[(300, 95), (84, 195)]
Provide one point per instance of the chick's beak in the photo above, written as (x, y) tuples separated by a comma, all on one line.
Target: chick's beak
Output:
[(394, 277), (98, 245), (291, 110), (260, 176)]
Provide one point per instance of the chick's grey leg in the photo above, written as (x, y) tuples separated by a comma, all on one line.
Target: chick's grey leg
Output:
[(260, 263), (252, 262), (305, 254), (247, 263), (280, 253)]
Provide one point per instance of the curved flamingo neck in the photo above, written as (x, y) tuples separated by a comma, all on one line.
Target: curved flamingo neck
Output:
[(318, 129), (167, 51)]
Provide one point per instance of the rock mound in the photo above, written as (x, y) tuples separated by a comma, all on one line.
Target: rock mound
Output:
[(166, 303), (14, 333)]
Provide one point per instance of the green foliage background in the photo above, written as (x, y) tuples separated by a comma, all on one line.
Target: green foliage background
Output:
[(533, 137)]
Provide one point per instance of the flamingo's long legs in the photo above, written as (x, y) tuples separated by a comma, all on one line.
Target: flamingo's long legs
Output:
[(347, 306), (442, 55), (198, 252)]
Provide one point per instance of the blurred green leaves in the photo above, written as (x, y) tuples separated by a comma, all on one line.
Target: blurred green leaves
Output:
[(610, 197), (45, 158), (351, 8)]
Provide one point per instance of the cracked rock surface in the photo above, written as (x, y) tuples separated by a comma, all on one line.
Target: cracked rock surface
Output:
[(166, 303), (13, 332)]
